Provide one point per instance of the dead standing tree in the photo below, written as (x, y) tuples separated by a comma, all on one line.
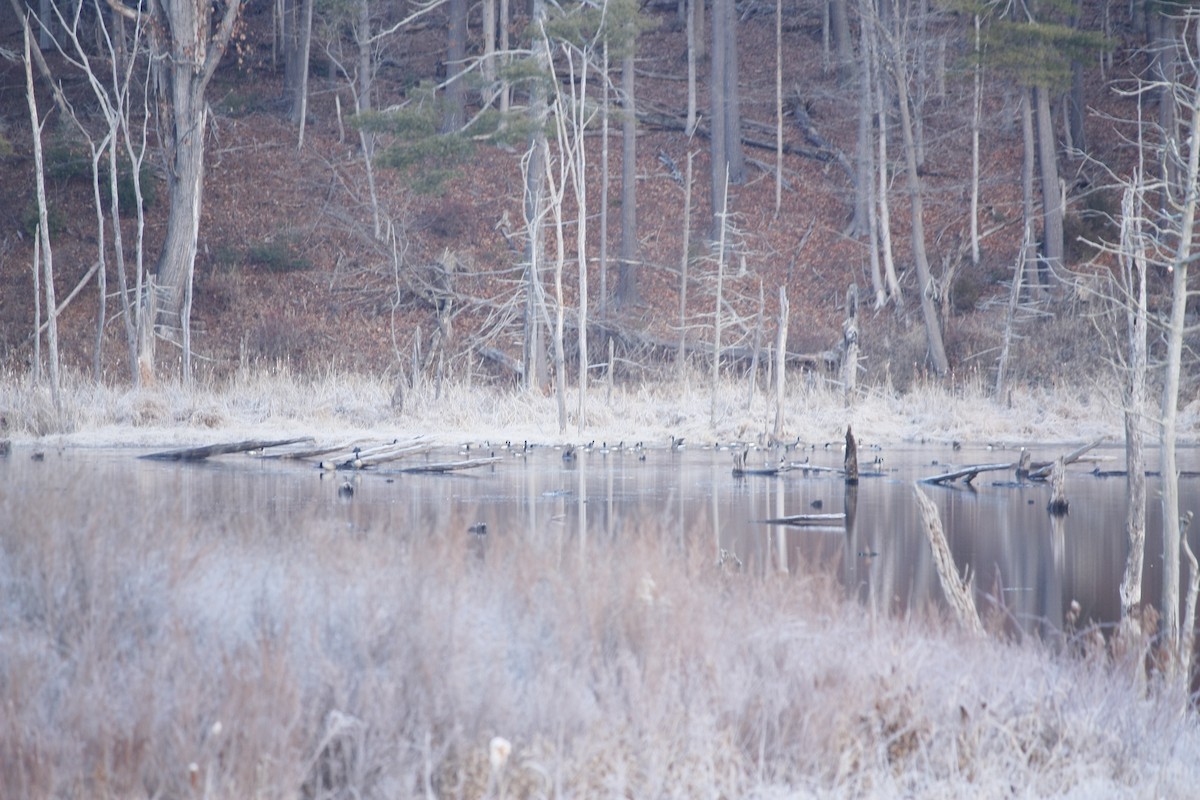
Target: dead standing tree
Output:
[(186, 48)]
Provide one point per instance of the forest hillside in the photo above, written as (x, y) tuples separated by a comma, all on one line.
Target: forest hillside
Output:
[(418, 266)]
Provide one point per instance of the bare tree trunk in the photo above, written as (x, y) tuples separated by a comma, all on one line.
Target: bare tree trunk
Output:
[(718, 159), (300, 109), (716, 360), (850, 345), (697, 14), (1133, 284), (1031, 260), (839, 20), (535, 179), (885, 218), (554, 199), (187, 55), (693, 41), (865, 147), (1171, 383), (1052, 207), (732, 117), (505, 87), (728, 159), (43, 232), (933, 331), (454, 113), (361, 85), (628, 293), (865, 216), (781, 360), (976, 122), (778, 106), (487, 66), (604, 116), (684, 259), (1014, 296)]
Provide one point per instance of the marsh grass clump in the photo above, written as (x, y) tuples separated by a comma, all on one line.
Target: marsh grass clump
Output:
[(163, 649)]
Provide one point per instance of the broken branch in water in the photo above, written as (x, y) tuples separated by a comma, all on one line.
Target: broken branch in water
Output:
[(1041, 472)]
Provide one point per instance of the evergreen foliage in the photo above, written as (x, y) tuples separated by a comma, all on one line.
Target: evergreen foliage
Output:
[(1038, 52)]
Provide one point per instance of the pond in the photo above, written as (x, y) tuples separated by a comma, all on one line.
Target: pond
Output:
[(1026, 563)]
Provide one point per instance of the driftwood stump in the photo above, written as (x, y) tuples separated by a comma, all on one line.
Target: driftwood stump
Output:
[(1058, 488), (851, 462)]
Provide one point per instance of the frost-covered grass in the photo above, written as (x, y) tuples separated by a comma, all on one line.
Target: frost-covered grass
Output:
[(139, 658), (279, 402)]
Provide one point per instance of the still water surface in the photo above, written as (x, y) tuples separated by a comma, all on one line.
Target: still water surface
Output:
[(1017, 552)]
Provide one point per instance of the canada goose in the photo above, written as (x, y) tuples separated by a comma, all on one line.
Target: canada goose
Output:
[(569, 453)]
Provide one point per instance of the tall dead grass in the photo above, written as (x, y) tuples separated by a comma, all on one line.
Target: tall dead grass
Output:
[(142, 655), (329, 403)]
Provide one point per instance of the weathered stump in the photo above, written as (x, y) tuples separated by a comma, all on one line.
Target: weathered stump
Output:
[(1023, 466), (851, 461), (1058, 491)]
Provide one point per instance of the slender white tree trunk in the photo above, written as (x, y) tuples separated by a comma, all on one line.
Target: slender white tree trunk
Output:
[(47, 257), (1171, 383), (976, 120), (1133, 284)]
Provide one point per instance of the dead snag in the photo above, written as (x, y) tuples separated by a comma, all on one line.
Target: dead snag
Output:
[(1023, 466), (1058, 492), (956, 588), (850, 344), (851, 463)]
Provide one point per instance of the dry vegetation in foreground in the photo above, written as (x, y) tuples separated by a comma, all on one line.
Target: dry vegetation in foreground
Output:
[(142, 659), (330, 403)]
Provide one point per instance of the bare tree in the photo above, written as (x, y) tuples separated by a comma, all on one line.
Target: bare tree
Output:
[(1132, 277), (187, 47), (898, 66), (628, 293), (45, 255), (728, 160), (456, 54)]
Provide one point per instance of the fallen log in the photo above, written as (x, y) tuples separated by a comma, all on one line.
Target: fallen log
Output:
[(207, 451), (804, 519), (1044, 470), (395, 455), (806, 467), (448, 466), (968, 473), (311, 452), (1026, 470)]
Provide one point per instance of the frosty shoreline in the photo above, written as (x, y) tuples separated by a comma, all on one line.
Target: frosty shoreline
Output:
[(332, 406)]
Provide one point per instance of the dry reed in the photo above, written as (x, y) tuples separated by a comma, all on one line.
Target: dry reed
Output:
[(156, 650)]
